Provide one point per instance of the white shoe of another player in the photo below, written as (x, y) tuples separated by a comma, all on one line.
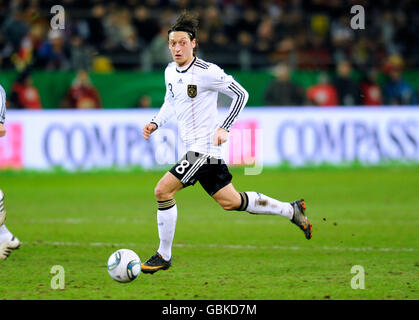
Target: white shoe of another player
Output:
[(2, 211), (7, 247)]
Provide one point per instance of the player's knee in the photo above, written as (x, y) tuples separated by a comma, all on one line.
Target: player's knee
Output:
[(229, 206), (161, 193)]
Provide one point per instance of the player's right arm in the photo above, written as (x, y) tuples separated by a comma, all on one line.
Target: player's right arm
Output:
[(2, 111), (165, 112), (148, 129)]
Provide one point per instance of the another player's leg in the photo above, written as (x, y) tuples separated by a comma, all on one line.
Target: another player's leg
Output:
[(166, 221), (258, 203), (8, 242), (2, 209)]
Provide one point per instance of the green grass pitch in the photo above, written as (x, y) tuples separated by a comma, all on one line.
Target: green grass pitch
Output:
[(360, 216)]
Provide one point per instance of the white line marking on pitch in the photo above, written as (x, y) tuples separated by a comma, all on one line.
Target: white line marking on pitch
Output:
[(226, 246), (123, 220)]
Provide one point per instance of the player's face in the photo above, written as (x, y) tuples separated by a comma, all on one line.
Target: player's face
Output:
[(181, 47)]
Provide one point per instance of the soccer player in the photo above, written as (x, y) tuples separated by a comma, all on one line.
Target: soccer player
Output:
[(192, 87), (8, 241)]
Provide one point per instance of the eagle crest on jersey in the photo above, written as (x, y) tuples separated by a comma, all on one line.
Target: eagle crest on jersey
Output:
[(192, 90)]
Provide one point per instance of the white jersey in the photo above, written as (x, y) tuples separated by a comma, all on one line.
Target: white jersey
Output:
[(191, 95), (2, 105)]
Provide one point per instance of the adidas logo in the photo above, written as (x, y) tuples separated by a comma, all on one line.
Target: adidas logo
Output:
[(180, 81)]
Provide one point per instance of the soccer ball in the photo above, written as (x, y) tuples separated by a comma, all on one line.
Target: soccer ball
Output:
[(124, 265)]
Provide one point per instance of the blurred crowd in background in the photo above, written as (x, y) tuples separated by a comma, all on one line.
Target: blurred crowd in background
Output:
[(277, 35)]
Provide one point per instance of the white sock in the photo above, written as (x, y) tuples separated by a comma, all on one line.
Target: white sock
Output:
[(5, 234), (166, 222), (258, 203)]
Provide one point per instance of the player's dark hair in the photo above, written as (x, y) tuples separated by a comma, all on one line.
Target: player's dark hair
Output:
[(187, 23)]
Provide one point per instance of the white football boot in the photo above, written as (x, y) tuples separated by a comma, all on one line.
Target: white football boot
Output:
[(2, 210), (7, 247)]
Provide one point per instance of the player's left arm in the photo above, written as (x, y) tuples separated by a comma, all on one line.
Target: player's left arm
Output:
[(2, 111), (226, 84)]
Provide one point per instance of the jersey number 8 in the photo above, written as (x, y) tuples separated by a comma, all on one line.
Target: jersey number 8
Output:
[(182, 166)]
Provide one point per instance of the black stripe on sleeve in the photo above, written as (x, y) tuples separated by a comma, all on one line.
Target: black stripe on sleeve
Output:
[(2, 104), (240, 106), (201, 65), (237, 107)]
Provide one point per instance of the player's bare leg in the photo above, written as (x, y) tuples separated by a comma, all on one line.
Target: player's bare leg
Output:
[(167, 187), (228, 197), (257, 203), (165, 191)]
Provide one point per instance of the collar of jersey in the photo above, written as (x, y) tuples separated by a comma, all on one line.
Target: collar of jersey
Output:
[(187, 67)]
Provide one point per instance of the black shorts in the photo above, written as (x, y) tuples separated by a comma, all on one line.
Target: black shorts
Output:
[(212, 173)]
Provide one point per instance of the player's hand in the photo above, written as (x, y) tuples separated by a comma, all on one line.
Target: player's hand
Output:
[(2, 130), (220, 136), (148, 130)]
